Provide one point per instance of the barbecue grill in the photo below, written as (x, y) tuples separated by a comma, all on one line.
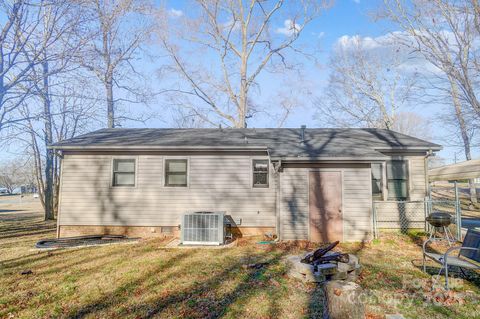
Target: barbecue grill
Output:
[(439, 219), (440, 222)]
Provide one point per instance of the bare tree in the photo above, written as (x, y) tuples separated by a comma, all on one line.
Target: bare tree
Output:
[(239, 42), (15, 173), (442, 32), (413, 124), (118, 30), (58, 41), (72, 112), (436, 161), (9, 178), (367, 84), (19, 25)]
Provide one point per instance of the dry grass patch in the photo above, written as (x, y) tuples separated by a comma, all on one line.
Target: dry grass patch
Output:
[(144, 279), (394, 282)]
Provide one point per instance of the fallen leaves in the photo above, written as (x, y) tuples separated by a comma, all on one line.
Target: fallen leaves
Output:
[(444, 297)]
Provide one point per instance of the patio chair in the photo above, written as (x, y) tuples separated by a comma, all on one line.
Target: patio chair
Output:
[(468, 256)]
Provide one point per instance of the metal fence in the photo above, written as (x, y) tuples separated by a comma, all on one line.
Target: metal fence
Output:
[(404, 215)]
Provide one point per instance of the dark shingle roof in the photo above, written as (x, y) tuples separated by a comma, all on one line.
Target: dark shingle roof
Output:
[(280, 142)]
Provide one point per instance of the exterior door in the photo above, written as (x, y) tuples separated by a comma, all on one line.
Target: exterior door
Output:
[(325, 206)]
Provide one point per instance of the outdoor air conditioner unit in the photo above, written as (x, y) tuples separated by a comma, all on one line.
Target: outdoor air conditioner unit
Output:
[(203, 228)]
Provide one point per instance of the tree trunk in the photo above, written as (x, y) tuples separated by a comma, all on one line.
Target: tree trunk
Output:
[(49, 158), (473, 191), (463, 132), (2, 82), (37, 166), (243, 96), (110, 110), (343, 300)]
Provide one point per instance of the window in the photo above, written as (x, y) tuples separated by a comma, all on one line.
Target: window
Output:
[(377, 184), (123, 172), (260, 173), (176, 172), (397, 175)]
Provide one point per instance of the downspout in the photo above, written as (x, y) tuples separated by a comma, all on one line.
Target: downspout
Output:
[(427, 181), (428, 197), (60, 155), (277, 168)]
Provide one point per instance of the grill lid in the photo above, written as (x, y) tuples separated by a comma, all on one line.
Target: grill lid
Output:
[(439, 219)]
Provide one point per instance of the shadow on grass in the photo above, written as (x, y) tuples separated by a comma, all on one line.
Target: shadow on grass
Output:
[(19, 224), (203, 299), (214, 288), (30, 259), (10, 210)]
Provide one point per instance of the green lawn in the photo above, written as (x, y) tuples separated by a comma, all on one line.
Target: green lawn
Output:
[(145, 280)]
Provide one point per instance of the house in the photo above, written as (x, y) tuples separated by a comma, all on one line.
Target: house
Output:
[(315, 184)]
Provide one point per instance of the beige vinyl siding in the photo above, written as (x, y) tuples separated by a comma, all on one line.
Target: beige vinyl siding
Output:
[(218, 183), (418, 186), (357, 201), (294, 203), (357, 204)]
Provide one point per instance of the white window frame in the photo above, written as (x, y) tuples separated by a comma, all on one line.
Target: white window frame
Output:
[(135, 158), (268, 171), (164, 173)]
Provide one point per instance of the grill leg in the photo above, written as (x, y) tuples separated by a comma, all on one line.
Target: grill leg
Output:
[(446, 276), (448, 236), (424, 266)]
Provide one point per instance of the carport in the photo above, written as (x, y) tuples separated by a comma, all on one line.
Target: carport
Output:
[(456, 172)]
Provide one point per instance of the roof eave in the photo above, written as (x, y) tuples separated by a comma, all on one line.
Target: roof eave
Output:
[(434, 148), (155, 148), (355, 159)]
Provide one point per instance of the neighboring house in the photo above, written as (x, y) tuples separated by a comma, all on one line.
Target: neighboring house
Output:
[(315, 184)]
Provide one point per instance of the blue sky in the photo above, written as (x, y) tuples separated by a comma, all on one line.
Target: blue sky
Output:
[(346, 17)]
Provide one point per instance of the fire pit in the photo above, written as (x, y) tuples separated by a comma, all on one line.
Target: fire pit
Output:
[(323, 264), (337, 273)]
